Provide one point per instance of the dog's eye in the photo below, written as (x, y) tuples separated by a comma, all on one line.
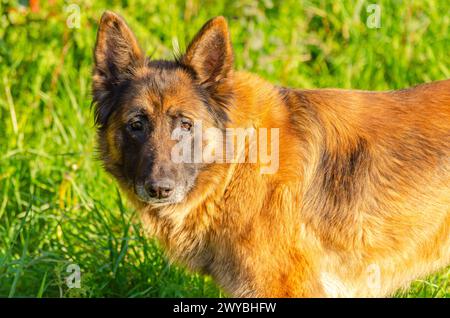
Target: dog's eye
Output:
[(136, 125), (186, 124)]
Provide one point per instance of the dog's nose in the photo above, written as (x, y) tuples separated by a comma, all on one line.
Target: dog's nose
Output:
[(160, 189)]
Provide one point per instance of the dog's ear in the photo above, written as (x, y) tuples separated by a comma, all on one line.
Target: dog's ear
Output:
[(117, 52), (210, 53), (117, 55)]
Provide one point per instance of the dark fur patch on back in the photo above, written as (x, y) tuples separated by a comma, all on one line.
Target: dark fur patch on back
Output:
[(339, 178), (340, 172)]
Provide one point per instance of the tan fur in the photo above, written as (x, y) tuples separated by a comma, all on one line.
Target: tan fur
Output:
[(359, 207), (277, 240)]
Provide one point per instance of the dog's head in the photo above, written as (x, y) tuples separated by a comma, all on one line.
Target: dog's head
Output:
[(142, 105)]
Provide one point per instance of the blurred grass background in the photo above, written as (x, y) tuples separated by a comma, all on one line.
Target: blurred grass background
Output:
[(58, 207)]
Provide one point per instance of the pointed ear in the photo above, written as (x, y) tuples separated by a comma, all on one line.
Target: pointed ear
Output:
[(116, 51), (210, 53), (117, 54)]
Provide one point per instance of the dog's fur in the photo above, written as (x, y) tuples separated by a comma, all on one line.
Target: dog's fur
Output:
[(360, 205)]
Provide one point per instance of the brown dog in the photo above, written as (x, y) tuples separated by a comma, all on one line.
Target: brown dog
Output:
[(358, 203)]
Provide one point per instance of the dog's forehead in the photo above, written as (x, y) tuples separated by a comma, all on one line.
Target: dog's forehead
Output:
[(164, 86), (162, 79)]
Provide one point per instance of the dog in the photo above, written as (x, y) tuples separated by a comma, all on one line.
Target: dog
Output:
[(357, 205)]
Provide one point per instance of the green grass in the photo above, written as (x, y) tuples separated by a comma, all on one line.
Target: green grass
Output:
[(58, 207)]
